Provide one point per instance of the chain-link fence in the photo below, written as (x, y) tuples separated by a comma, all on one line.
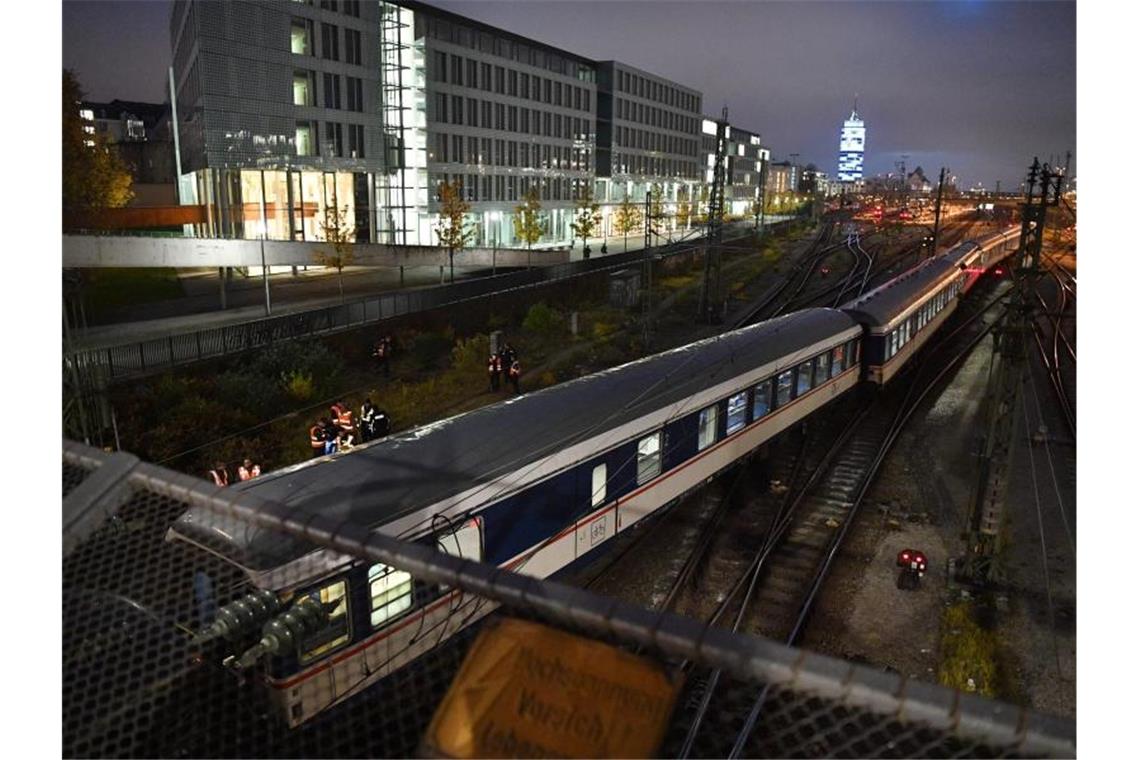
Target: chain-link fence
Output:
[(140, 679)]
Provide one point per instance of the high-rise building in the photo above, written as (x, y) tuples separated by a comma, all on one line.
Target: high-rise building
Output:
[(852, 140)]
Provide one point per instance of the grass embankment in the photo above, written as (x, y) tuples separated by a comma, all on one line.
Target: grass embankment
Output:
[(106, 290), (261, 405)]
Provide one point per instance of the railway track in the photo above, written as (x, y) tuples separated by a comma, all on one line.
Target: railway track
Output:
[(1056, 351), (775, 594)]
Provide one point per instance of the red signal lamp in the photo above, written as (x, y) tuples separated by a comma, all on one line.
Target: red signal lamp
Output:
[(913, 559)]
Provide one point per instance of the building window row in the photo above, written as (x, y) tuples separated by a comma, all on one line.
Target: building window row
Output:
[(333, 143), (305, 85), (654, 117), (350, 7), (658, 92), (652, 166), (642, 139), (507, 187), (486, 114), (445, 148), (464, 72), (513, 50), (301, 41)]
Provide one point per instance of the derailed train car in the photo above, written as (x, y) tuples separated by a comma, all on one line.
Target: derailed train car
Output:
[(534, 484)]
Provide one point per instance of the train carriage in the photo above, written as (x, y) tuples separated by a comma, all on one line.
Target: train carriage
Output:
[(534, 484)]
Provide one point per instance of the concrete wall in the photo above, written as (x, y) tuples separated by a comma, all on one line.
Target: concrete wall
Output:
[(125, 251)]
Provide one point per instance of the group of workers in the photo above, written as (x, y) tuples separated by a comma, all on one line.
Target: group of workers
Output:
[(338, 431), (504, 363), (221, 476)]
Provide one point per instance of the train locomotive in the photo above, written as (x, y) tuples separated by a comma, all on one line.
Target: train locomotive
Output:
[(540, 482)]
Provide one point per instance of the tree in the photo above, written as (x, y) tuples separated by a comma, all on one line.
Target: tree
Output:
[(684, 212), (626, 219), (529, 225), (94, 176), (340, 236), (452, 228), (587, 217)]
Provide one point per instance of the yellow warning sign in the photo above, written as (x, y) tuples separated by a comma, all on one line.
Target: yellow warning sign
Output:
[(527, 690)]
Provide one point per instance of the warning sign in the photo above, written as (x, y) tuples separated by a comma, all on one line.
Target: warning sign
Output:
[(527, 690)]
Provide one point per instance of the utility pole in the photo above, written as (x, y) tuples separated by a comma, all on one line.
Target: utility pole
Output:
[(709, 305), (1007, 372), (647, 302), (938, 210)]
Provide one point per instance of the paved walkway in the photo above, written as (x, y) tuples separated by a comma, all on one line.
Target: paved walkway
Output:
[(199, 307)]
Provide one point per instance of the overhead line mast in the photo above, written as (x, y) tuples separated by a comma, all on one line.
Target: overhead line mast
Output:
[(986, 516)]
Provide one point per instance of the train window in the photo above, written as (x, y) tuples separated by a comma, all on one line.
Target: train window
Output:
[(851, 353), (803, 383), (335, 632), (598, 486), (648, 458), (821, 366), (837, 361), (784, 388), (761, 399), (465, 541), (707, 430), (737, 411), (391, 592)]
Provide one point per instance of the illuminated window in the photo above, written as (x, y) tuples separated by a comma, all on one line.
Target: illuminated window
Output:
[(391, 593), (761, 399), (304, 139), (598, 486), (737, 411), (803, 385), (302, 88), (648, 458), (707, 428), (784, 388), (301, 36), (821, 369), (335, 631), (837, 361)]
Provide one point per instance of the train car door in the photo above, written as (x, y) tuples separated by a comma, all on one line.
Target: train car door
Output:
[(601, 522)]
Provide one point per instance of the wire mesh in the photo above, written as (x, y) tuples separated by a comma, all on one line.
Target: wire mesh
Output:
[(73, 475), (136, 683)]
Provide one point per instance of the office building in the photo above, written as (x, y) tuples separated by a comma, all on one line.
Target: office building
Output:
[(287, 110), (648, 137)]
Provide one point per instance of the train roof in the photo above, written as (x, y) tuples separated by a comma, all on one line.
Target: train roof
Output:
[(407, 472), (957, 255), (894, 297)]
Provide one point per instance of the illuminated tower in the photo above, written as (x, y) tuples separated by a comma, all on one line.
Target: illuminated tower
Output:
[(851, 142)]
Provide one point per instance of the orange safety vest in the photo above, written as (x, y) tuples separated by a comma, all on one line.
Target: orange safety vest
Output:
[(252, 472), (220, 480), (491, 365), (316, 440), (344, 419), (515, 370)]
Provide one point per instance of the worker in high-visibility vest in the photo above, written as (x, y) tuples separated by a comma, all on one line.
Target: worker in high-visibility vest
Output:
[(515, 374), (248, 470), (317, 438), (219, 474), (494, 370)]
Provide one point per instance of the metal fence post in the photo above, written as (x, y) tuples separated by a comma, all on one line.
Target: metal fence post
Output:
[(142, 357)]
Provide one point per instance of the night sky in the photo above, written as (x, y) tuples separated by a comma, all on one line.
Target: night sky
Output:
[(977, 86)]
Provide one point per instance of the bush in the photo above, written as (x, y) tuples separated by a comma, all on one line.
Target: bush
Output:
[(298, 385), (470, 355), (542, 320)]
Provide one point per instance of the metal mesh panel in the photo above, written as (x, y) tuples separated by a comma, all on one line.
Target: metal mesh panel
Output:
[(136, 684), (73, 475)]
